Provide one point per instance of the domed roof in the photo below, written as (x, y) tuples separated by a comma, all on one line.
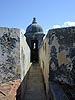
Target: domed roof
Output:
[(34, 27)]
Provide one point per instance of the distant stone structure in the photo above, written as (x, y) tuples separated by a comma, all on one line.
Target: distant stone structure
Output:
[(34, 37)]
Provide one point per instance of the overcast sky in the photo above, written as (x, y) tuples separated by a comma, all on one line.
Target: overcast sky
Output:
[(49, 13)]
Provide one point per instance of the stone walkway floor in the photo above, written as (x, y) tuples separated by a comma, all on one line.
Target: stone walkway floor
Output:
[(35, 86)]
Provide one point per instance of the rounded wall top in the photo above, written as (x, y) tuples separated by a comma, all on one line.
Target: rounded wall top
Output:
[(34, 27)]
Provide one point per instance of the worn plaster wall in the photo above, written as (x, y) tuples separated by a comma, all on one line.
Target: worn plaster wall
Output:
[(9, 54), (24, 55), (57, 56), (14, 54), (62, 55), (44, 61)]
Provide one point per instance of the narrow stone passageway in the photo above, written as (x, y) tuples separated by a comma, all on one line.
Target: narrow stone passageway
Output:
[(35, 86)]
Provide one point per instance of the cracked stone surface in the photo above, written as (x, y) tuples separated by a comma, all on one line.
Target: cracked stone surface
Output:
[(8, 89), (9, 54)]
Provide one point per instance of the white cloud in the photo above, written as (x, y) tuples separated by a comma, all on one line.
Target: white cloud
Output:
[(66, 24), (69, 23), (56, 26)]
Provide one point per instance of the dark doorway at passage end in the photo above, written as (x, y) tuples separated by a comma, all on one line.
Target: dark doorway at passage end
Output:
[(34, 51)]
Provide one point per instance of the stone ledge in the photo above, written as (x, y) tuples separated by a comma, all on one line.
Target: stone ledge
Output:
[(56, 92)]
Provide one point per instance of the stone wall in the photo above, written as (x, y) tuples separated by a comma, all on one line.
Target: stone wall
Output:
[(44, 61), (24, 56), (62, 55), (9, 54), (14, 54), (57, 56)]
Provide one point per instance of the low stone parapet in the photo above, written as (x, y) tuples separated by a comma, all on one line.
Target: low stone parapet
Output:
[(56, 92)]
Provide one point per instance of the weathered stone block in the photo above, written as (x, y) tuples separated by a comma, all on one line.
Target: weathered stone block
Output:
[(57, 56), (62, 56), (9, 53), (14, 54)]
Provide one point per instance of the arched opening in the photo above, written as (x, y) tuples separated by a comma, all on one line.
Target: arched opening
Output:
[(34, 51)]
